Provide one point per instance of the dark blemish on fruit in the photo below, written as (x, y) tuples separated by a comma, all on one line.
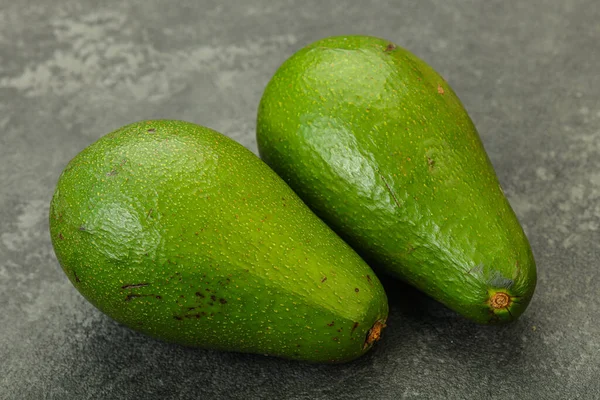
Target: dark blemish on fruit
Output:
[(440, 89), (132, 296), (182, 296), (356, 290), (200, 295), (207, 289), (60, 236), (76, 277), (324, 279), (390, 189), (134, 286), (297, 345), (370, 281), (151, 130), (374, 333), (82, 228), (339, 330), (112, 173), (191, 308), (158, 297), (431, 163), (177, 317), (213, 297), (390, 47), (336, 339), (123, 161), (354, 327), (331, 324), (191, 315), (222, 301)]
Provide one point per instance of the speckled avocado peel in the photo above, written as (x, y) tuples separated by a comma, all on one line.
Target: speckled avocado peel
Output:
[(380, 147), (178, 232)]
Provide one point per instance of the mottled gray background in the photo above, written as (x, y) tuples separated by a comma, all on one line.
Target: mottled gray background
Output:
[(528, 73)]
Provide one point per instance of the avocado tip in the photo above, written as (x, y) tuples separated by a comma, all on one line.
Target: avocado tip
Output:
[(500, 300)]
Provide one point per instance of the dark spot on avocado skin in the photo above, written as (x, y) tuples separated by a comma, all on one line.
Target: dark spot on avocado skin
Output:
[(177, 317), (151, 130), (82, 228), (354, 327), (222, 301), (390, 47), (112, 173), (356, 290), (369, 279), (60, 236), (324, 279), (134, 286), (389, 189), (213, 297), (331, 324), (431, 163), (200, 295), (132, 296), (76, 277)]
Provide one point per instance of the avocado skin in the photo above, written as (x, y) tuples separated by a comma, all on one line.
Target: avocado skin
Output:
[(381, 148), (177, 231)]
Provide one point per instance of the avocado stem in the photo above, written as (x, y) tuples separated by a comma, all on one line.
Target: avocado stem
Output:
[(500, 300)]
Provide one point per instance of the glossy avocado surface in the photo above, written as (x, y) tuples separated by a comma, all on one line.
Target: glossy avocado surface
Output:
[(380, 147), (178, 232)]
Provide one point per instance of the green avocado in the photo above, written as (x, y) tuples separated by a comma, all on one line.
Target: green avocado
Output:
[(380, 147), (177, 231)]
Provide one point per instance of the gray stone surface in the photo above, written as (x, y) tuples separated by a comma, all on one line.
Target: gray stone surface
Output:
[(529, 74)]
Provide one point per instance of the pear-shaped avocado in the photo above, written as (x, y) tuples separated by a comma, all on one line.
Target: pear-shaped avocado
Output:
[(181, 233), (380, 147)]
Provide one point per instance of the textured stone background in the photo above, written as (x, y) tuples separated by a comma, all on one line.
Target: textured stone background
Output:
[(528, 73)]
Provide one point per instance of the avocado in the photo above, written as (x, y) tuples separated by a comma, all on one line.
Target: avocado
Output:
[(177, 231), (380, 147)]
